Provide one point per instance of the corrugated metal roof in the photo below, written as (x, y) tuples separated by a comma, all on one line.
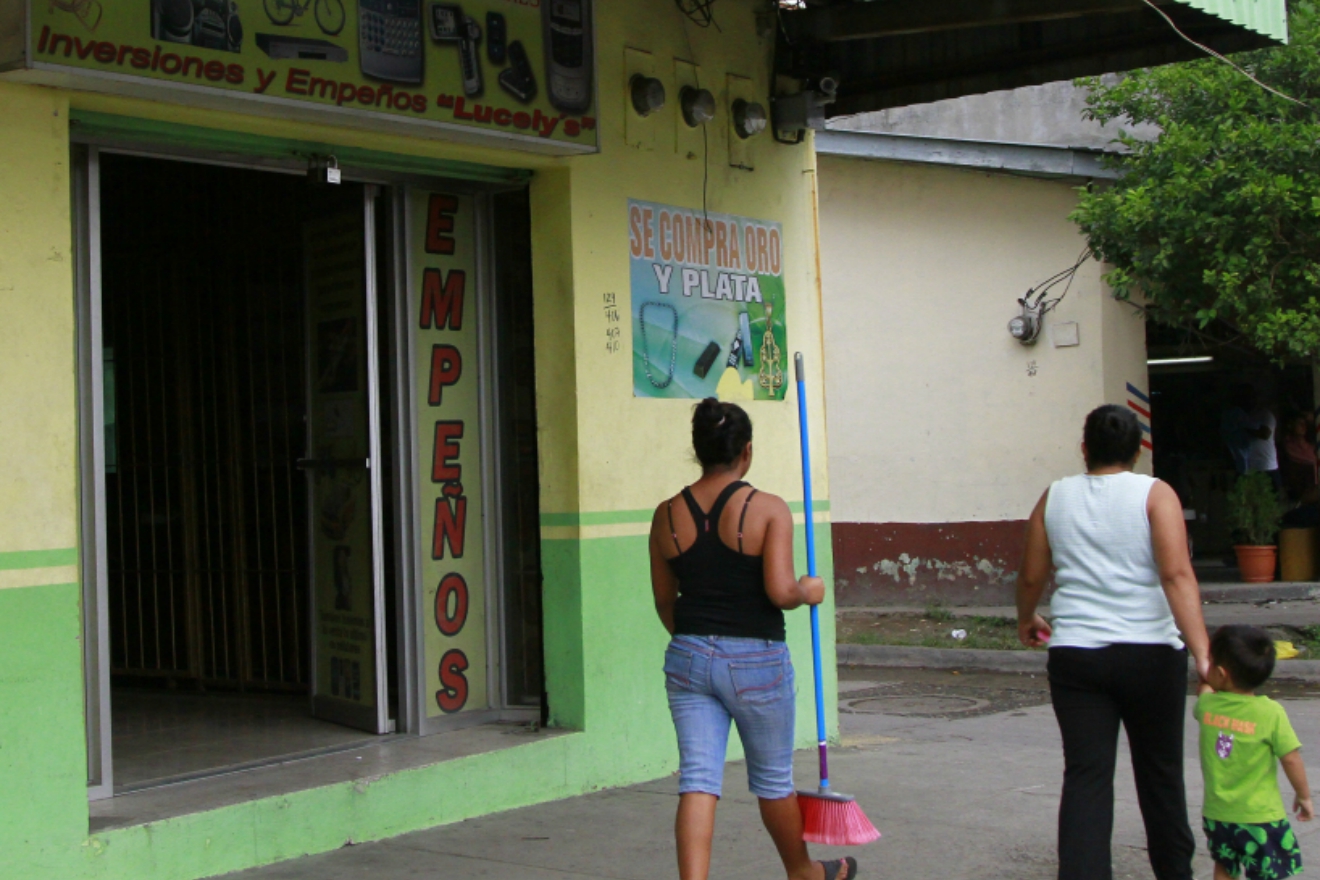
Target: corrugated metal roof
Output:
[(890, 53), (1268, 17)]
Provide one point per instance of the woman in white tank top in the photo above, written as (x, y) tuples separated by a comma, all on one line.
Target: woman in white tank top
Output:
[(1127, 610)]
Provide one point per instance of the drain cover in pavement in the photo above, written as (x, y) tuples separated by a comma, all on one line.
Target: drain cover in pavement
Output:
[(917, 704)]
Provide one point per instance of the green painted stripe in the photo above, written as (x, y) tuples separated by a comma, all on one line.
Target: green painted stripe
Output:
[(596, 518), (127, 128), (38, 558), (819, 506), (634, 517)]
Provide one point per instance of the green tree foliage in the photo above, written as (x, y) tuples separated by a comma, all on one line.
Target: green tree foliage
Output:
[(1216, 222)]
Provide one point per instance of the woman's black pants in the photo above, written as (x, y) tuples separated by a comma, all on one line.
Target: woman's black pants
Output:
[(1144, 687)]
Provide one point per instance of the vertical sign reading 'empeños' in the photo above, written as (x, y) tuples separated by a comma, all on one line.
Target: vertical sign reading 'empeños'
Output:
[(449, 445)]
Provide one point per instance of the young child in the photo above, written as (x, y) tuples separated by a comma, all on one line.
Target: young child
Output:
[(1241, 736)]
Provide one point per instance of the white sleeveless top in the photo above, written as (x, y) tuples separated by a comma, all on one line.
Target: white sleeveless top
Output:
[(1108, 583)]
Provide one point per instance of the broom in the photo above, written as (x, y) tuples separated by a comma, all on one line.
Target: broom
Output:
[(827, 817)]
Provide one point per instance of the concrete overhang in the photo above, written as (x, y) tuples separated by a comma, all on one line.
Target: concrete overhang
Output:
[(891, 53), (1023, 159)]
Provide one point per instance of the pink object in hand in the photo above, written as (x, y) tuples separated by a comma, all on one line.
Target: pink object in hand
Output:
[(1042, 636)]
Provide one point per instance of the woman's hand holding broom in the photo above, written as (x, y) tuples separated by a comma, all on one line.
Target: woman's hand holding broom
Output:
[(812, 589)]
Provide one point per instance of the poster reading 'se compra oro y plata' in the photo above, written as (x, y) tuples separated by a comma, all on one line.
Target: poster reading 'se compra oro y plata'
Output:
[(519, 69), (707, 304)]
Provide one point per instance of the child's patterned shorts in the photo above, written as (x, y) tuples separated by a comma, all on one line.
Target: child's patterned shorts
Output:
[(1262, 852)]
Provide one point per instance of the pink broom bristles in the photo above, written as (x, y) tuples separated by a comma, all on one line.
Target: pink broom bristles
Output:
[(834, 820)]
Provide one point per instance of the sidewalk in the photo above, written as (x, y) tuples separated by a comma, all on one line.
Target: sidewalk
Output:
[(1265, 605), (969, 797), (1272, 608)]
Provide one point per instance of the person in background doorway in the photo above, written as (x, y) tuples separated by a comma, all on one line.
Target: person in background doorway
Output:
[(1116, 544), (1242, 735), (1231, 428), (1297, 463), (722, 576), (1248, 430)]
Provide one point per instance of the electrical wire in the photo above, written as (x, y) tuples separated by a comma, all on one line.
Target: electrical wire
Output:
[(1042, 306), (1213, 54)]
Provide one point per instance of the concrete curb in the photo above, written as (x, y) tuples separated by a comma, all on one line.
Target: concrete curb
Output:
[(979, 660), (902, 656), (1278, 592)]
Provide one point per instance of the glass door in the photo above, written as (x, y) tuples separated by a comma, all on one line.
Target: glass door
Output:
[(92, 452), (349, 672)]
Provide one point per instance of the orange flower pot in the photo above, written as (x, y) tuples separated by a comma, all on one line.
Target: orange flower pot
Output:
[(1256, 563)]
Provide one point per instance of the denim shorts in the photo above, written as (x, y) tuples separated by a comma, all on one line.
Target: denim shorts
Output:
[(712, 680)]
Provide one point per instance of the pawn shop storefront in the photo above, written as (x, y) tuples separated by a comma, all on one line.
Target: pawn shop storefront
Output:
[(326, 477), (269, 396), (346, 347)]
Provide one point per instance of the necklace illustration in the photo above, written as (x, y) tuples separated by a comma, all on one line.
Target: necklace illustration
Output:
[(771, 375), (673, 344)]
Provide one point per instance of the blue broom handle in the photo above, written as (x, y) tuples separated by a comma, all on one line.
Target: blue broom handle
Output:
[(811, 569)]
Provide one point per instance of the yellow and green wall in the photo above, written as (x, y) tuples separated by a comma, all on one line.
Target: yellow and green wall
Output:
[(606, 459)]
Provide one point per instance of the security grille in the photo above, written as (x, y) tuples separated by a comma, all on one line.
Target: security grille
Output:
[(202, 292)]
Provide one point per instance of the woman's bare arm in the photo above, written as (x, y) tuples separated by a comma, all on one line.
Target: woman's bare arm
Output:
[(785, 589), (1033, 576), (1168, 536), (664, 585)]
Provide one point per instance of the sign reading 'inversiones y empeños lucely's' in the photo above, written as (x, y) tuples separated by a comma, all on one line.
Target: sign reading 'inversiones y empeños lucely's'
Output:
[(507, 70)]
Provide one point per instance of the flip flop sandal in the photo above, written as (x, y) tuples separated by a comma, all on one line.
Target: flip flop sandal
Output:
[(832, 867)]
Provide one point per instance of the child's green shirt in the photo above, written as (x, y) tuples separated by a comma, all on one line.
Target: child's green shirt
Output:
[(1241, 738)]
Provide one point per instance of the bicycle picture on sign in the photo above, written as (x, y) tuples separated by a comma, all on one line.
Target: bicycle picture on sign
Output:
[(329, 14)]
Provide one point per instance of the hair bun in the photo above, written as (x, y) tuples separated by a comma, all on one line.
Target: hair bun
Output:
[(708, 410)]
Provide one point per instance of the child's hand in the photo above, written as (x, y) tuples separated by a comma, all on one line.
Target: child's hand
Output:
[(1303, 807)]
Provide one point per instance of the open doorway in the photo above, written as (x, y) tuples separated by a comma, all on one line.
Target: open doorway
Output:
[(256, 408), (1193, 386), (241, 560)]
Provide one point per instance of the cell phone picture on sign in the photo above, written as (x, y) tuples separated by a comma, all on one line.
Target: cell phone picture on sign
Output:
[(707, 304)]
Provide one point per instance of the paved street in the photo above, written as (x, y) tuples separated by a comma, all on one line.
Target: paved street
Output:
[(961, 773)]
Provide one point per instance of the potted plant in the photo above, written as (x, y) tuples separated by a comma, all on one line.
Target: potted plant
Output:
[(1255, 512)]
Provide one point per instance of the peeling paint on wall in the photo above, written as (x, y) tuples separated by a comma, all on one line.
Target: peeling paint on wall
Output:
[(954, 571), (892, 563)]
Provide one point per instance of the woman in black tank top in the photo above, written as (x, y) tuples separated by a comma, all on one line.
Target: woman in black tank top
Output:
[(722, 574)]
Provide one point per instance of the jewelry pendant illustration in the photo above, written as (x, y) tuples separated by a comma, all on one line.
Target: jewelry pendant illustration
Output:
[(771, 374)]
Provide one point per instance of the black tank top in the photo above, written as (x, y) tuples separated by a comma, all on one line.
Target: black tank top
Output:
[(721, 591)]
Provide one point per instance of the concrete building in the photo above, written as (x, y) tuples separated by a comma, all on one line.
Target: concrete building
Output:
[(932, 228), (331, 422)]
